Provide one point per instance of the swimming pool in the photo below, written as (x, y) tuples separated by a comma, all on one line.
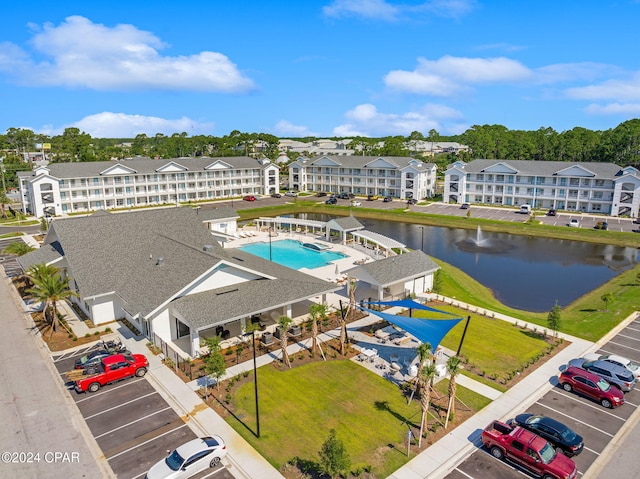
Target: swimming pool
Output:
[(292, 254)]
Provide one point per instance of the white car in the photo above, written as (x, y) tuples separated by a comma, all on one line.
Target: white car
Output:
[(291, 193), (574, 222), (356, 203), (615, 359), (189, 459)]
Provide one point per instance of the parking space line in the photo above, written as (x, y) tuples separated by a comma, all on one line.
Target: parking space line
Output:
[(213, 473), (72, 354), (625, 336), (574, 419), (463, 473), (133, 422), (146, 442), (119, 405), (95, 395), (598, 408)]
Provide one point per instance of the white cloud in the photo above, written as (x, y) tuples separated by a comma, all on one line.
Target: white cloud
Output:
[(564, 72), (366, 120), (627, 109), (620, 90), (450, 75), (372, 9), (390, 12), (120, 125), (79, 53), (286, 128)]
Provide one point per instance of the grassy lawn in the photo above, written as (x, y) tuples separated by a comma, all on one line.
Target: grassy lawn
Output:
[(299, 406)]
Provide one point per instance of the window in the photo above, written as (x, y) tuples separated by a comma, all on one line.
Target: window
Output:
[(518, 446)]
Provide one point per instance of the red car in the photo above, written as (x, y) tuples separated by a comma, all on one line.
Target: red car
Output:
[(592, 386), (249, 198)]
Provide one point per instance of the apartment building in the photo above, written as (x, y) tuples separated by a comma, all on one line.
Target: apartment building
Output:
[(395, 176), (581, 187), (65, 188)]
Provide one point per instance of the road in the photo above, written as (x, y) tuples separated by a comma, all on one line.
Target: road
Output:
[(36, 408)]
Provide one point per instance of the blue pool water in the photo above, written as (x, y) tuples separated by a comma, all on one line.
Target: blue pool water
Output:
[(290, 253)]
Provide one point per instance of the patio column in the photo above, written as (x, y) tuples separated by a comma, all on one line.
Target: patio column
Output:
[(289, 310), (194, 341), (380, 293)]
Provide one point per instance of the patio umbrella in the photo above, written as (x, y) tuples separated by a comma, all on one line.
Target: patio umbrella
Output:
[(337, 270)]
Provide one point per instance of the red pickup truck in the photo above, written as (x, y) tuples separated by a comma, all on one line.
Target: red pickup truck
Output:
[(528, 451), (111, 369)]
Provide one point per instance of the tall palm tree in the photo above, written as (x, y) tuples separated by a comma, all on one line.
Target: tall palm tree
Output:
[(317, 312), (284, 322), (51, 290), (18, 248), (454, 366), (39, 271), (426, 384), (351, 311), (424, 354)]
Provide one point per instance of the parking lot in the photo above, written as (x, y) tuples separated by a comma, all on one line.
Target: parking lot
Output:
[(597, 425), (132, 424), (9, 262)]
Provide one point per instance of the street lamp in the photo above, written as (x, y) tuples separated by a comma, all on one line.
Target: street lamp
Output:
[(270, 251), (255, 379)]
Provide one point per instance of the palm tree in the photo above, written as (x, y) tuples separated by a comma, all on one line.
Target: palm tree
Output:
[(284, 322), (424, 354), (317, 312), (50, 290), (352, 312), (4, 200), (426, 384), (18, 248), (39, 271), (454, 366)]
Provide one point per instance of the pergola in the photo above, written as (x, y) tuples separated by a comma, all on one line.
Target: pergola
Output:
[(380, 241)]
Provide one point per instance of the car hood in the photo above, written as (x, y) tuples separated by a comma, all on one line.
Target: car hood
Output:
[(578, 362), (160, 470), (564, 464)]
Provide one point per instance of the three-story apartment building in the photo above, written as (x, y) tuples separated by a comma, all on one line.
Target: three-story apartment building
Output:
[(582, 187), (64, 188), (394, 176)]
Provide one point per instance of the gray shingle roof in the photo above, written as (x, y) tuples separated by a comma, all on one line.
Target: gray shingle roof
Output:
[(119, 253), (360, 161), (46, 254), (143, 165), (395, 268), (545, 168)]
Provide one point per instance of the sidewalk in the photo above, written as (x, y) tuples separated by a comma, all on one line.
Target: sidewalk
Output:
[(433, 463)]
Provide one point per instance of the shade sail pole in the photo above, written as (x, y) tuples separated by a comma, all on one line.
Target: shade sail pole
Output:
[(463, 334)]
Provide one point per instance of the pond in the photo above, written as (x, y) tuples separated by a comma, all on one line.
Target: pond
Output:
[(523, 272)]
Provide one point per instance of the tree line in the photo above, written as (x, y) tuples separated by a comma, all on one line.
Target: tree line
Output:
[(620, 145)]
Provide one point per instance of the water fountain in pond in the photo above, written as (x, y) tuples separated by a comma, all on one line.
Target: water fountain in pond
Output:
[(480, 244)]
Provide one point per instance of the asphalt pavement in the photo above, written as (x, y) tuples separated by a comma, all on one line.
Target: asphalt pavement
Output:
[(44, 435)]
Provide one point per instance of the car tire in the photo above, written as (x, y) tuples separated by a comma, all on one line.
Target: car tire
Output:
[(93, 387), (497, 452), (547, 476), (214, 462), (141, 372), (606, 403), (567, 387)]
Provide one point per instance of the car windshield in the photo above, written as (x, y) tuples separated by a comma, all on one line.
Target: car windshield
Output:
[(84, 359), (631, 366), (547, 453), (603, 385), (174, 461)]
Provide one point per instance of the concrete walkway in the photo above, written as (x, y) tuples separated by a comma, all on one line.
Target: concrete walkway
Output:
[(433, 463)]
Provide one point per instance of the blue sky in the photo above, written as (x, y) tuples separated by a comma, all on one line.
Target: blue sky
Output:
[(320, 68)]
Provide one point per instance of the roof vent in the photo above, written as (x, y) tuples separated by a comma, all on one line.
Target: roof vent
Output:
[(208, 248), (160, 261)]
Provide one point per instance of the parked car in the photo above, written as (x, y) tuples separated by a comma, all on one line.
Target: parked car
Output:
[(551, 212), (355, 203), (190, 459), (321, 193), (601, 225), (559, 435), (92, 359), (464, 206), (276, 195), (249, 198), (615, 359), (412, 201), (346, 196), (525, 209), (614, 374), (574, 222), (111, 369), (387, 199), (291, 193), (331, 201), (590, 385), (372, 197)]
